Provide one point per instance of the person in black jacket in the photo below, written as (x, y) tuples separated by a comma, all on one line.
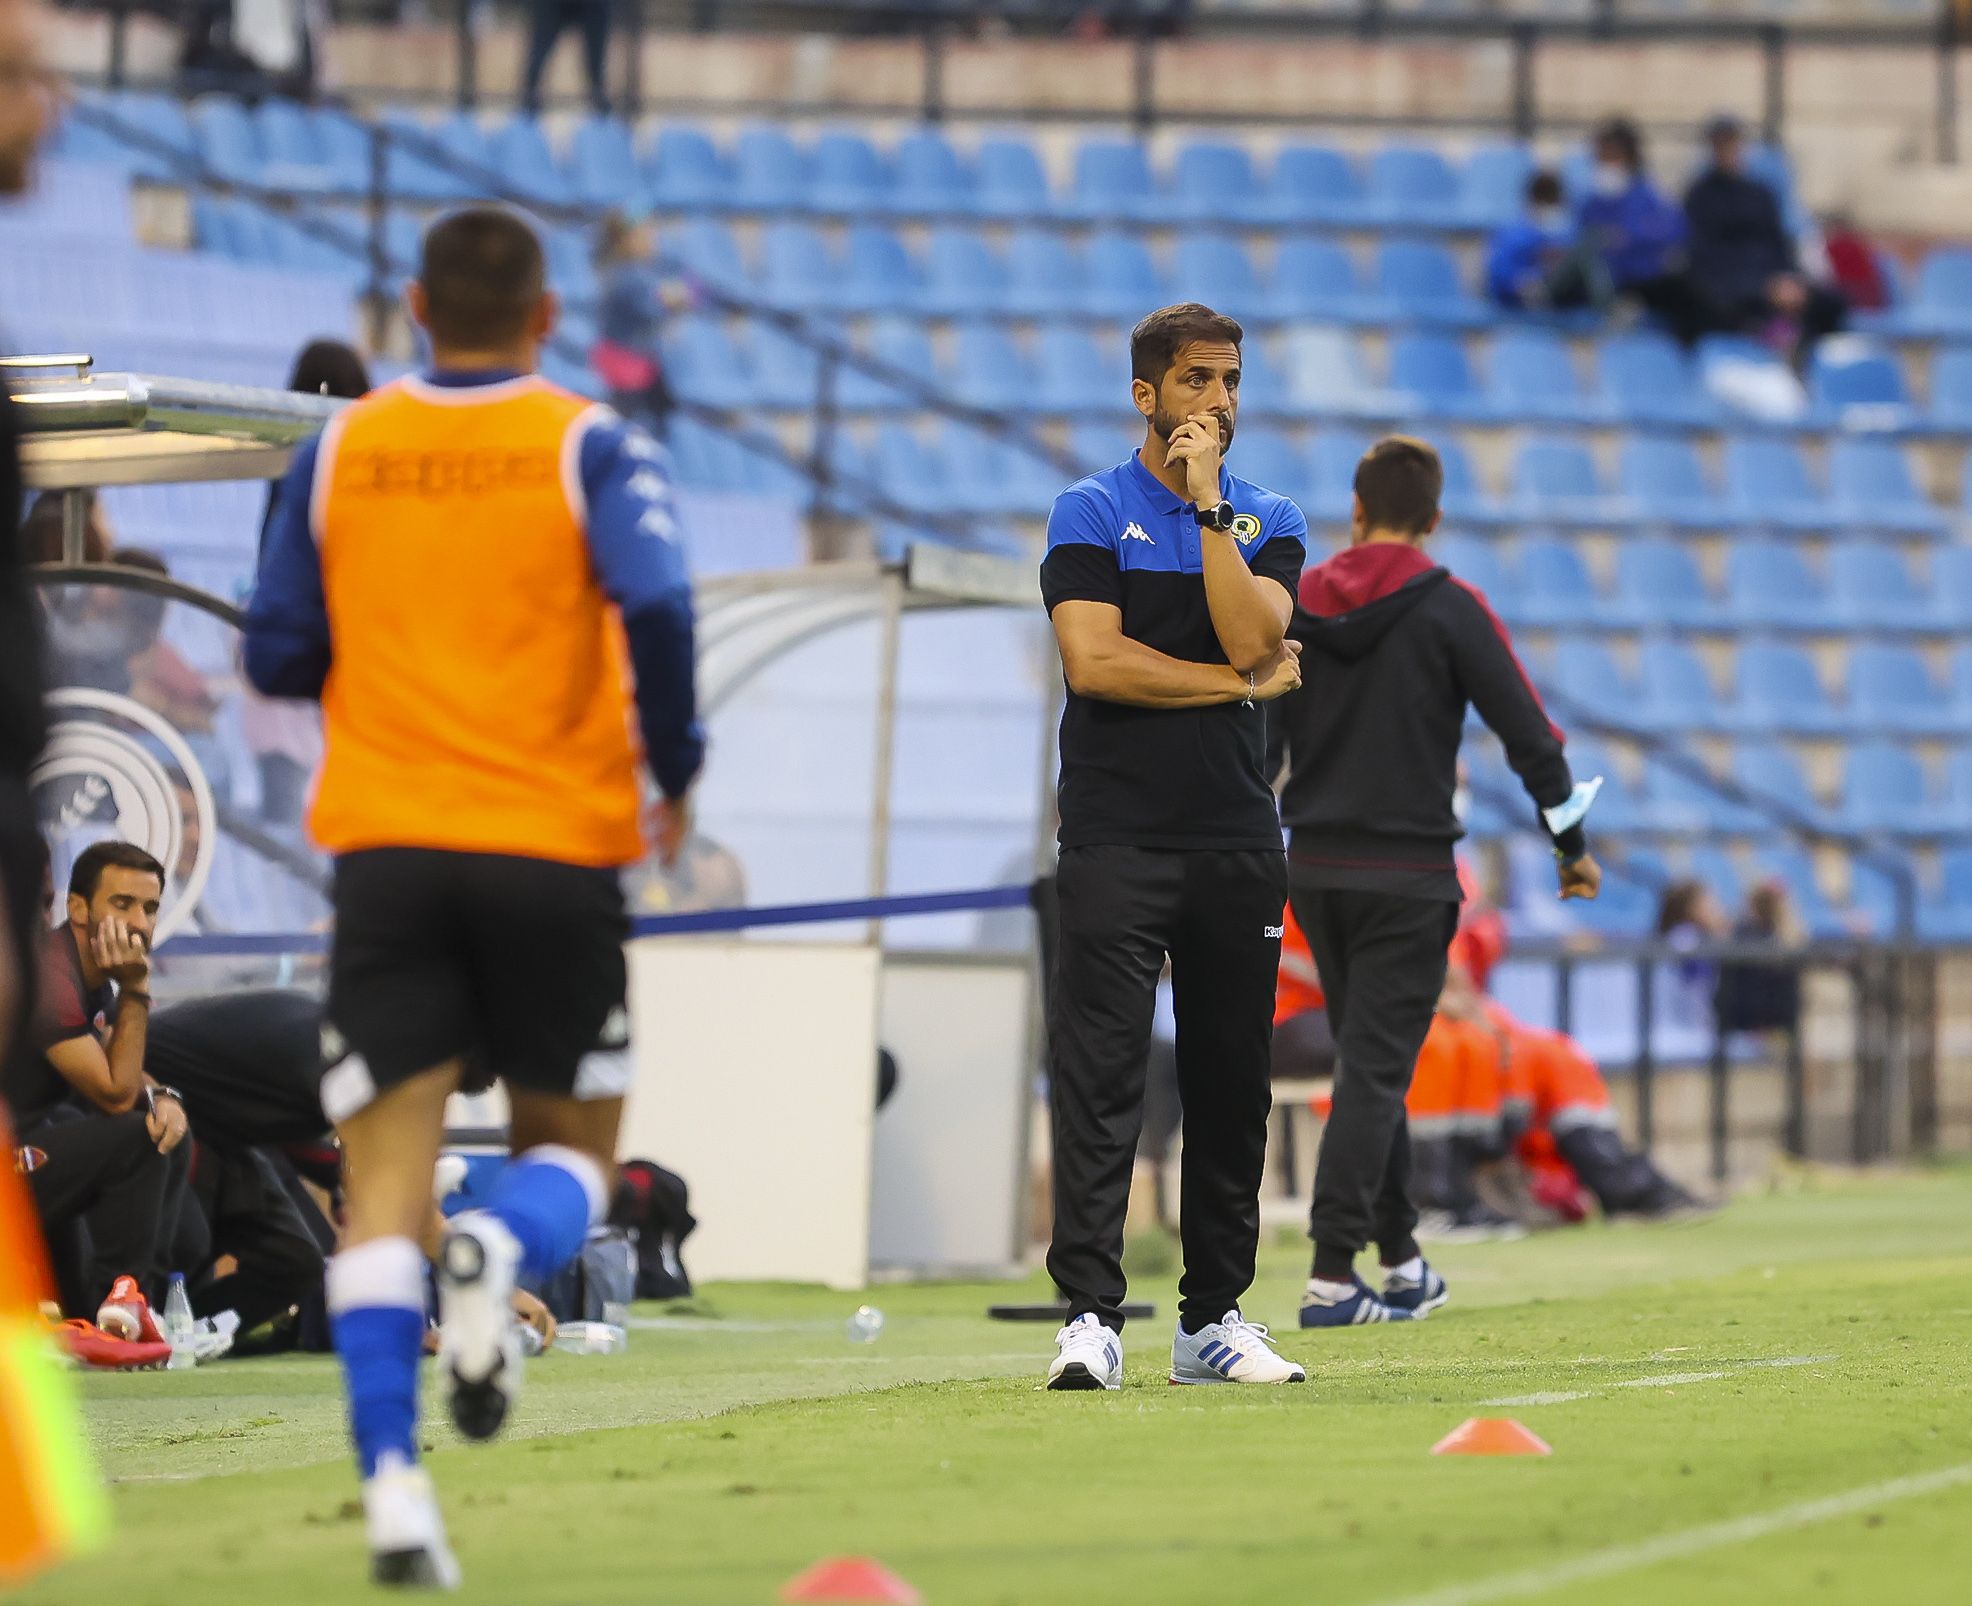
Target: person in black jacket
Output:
[(1394, 649), (27, 103), (1742, 258)]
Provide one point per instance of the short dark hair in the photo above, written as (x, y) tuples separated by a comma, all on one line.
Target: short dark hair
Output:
[(1622, 133), (1399, 481), (483, 272), (87, 873), (1157, 340), (329, 368), (1544, 188)]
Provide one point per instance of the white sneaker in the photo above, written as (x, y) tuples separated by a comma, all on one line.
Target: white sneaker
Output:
[(406, 1532), (477, 1343), (1087, 1356), (1232, 1350)]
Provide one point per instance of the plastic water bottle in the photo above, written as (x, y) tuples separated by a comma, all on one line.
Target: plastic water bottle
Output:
[(590, 1338), (180, 1332), (866, 1326)]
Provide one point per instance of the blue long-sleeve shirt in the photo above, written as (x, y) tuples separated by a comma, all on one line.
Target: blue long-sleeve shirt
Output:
[(1639, 234), (633, 534)]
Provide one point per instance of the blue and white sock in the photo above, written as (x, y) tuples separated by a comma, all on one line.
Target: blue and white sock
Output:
[(548, 1199), (376, 1297)]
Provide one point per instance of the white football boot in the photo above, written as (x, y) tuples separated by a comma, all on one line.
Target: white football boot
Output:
[(406, 1532), (478, 1345)]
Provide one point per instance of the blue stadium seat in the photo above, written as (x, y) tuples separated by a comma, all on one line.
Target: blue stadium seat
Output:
[(293, 141), (1716, 868), (1891, 690), (1947, 916), (1420, 279), (1431, 375), (1869, 588), (1478, 564), (1011, 182), (1493, 185), (572, 270), (162, 118), (769, 174), (1658, 586), (409, 171), (1316, 278), (1075, 375), (797, 269), (708, 251), (846, 174), (1100, 446), (1332, 456), (1871, 486), (1464, 499), (1856, 387), (1616, 809), (988, 369), (1780, 689), (703, 458), (1675, 802), (1314, 184), (963, 275), (1218, 272), (1263, 389), (228, 142), (931, 178), (1266, 457), (1768, 485), (1000, 478), (898, 343), (1941, 302), (1580, 668), (1950, 589), (686, 172), (1885, 789), (1044, 277), (1770, 586), (1771, 776), (912, 474), (1664, 483), (602, 164), (518, 151), (1556, 480), (1556, 590), (1213, 181), (1413, 186), (1531, 376), (706, 364), (1677, 693), (786, 371), (1112, 182), (464, 140), (1951, 390), (1647, 381), (1321, 371), (878, 273), (1123, 280)]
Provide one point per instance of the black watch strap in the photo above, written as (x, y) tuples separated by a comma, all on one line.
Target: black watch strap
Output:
[(1219, 516)]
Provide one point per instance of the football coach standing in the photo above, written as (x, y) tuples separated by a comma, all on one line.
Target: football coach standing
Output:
[(1170, 584), (1395, 649)]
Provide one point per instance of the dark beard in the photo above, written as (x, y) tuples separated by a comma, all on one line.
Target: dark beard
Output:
[(1163, 424)]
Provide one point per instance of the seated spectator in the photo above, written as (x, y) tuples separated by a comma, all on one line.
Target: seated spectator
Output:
[(1637, 235), (636, 300), (1743, 260), (1533, 264), (1753, 997), (1853, 264), (112, 1169), (1689, 916)]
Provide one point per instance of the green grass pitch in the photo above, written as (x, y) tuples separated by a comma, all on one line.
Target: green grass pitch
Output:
[(1771, 1406)]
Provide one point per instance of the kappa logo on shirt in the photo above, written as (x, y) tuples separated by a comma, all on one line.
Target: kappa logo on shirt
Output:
[(1135, 532), (1274, 933)]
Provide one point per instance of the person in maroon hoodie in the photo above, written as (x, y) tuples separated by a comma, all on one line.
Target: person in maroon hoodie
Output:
[(1394, 649)]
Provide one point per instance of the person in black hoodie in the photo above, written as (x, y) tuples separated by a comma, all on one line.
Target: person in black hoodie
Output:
[(27, 101), (1394, 649)]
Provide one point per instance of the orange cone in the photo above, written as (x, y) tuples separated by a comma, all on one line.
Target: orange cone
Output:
[(1491, 1435), (851, 1578)]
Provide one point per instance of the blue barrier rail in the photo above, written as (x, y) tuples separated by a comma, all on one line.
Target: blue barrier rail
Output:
[(277, 943)]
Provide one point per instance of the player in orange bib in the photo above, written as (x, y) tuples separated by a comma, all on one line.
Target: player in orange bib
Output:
[(477, 573)]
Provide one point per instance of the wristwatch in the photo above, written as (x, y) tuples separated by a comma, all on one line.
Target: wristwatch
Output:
[(1216, 518)]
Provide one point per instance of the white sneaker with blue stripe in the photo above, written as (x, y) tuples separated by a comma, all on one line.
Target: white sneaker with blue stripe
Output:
[(1232, 1350), (1420, 1295), (1087, 1356)]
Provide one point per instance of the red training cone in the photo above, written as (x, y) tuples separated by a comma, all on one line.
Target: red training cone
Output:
[(851, 1578), (1491, 1435)]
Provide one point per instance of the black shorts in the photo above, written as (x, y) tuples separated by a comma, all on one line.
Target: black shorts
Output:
[(514, 964)]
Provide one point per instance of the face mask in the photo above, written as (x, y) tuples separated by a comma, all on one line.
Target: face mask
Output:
[(1611, 179), (1461, 804), (1550, 219)]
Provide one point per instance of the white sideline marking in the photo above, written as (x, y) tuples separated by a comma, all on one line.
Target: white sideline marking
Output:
[(1553, 1397), (1668, 1380), (1692, 1542)]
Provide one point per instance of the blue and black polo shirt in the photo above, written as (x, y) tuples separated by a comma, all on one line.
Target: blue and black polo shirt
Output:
[(1163, 777)]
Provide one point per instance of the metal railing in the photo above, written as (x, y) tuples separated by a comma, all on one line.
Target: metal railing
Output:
[(1153, 30)]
